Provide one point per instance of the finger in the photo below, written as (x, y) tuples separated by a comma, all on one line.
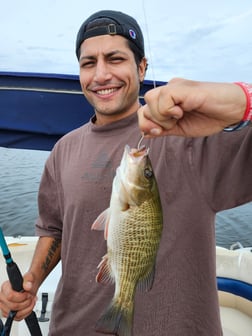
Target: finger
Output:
[(162, 106), (174, 112), (14, 305), (28, 286), (23, 309), (145, 123), (25, 312), (8, 295), (167, 126)]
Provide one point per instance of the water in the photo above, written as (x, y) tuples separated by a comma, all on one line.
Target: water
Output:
[(20, 173), (234, 225)]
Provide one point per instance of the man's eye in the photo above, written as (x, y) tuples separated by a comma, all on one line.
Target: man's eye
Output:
[(116, 59), (87, 64)]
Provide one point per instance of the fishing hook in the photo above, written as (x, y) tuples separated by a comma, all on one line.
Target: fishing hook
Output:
[(140, 141)]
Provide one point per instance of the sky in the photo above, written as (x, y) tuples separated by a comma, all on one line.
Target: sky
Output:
[(199, 40)]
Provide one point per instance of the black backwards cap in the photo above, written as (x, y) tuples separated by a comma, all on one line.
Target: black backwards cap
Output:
[(114, 23)]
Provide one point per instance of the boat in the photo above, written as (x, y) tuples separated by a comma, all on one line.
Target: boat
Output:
[(234, 281), (35, 111)]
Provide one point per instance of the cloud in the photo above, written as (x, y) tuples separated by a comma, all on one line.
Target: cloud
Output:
[(193, 39)]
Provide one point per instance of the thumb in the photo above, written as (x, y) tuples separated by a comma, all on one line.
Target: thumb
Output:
[(29, 282)]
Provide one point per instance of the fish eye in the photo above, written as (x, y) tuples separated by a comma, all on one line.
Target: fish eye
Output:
[(148, 173)]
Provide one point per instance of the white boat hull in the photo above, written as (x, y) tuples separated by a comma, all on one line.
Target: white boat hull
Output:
[(235, 311)]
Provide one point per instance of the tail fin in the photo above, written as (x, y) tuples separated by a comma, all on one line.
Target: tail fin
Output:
[(116, 320)]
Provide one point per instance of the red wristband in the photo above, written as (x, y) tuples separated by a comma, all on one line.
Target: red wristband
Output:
[(247, 89), (247, 117)]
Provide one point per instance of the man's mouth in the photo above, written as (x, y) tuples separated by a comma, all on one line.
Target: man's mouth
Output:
[(106, 91)]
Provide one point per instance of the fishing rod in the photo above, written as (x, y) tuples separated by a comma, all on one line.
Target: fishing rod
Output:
[(16, 281)]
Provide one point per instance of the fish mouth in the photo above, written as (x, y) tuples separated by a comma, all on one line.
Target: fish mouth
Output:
[(142, 151), (137, 152)]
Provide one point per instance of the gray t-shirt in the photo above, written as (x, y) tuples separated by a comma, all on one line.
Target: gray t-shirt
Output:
[(196, 176)]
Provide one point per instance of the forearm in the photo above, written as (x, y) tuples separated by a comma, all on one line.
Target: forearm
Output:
[(224, 101), (46, 256)]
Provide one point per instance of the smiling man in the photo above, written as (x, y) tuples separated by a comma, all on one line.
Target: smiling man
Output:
[(112, 64), (197, 177)]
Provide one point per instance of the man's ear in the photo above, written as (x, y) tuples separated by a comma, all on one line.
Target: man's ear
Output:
[(142, 69)]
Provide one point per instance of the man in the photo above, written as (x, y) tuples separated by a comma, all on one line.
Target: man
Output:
[(197, 177)]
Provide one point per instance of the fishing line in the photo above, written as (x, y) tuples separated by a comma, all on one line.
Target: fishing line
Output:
[(148, 43)]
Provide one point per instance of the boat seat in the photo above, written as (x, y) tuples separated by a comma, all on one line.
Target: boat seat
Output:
[(235, 323), (236, 314)]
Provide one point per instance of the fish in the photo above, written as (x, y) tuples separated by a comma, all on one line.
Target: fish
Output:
[(132, 228)]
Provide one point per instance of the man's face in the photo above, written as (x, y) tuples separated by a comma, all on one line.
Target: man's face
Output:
[(109, 77)]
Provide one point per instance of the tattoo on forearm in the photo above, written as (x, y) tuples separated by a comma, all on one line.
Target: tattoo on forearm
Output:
[(51, 253)]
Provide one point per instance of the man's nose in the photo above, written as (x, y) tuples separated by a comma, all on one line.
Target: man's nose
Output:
[(102, 72)]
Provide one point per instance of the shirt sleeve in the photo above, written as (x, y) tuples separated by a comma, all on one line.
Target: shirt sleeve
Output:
[(49, 222), (223, 165)]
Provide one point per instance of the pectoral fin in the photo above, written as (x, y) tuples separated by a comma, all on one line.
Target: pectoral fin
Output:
[(102, 222)]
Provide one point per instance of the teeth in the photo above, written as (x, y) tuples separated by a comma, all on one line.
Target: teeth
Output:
[(106, 91)]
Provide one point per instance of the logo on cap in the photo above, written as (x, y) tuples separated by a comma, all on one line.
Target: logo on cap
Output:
[(132, 34)]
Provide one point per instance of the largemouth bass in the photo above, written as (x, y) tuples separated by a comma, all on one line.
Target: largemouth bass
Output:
[(133, 226)]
